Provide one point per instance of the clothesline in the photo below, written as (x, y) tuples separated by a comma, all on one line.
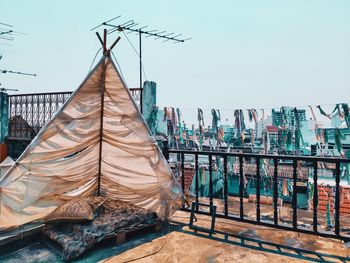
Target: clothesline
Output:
[(264, 108)]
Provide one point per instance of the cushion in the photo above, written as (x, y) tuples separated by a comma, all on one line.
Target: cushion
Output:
[(77, 210)]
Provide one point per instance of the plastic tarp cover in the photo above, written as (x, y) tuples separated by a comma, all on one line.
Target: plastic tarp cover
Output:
[(63, 161)]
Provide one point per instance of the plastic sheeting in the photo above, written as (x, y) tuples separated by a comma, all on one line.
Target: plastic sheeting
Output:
[(63, 161)]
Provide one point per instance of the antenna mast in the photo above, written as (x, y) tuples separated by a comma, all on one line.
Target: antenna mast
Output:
[(132, 27)]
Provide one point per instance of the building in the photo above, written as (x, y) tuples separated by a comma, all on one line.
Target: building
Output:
[(277, 117)]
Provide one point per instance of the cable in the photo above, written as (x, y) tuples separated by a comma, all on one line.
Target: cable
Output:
[(120, 69), (93, 61), (137, 53), (232, 109), (153, 253)]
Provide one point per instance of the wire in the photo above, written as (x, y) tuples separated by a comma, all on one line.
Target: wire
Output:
[(137, 53), (120, 69), (93, 61), (270, 108), (153, 253)]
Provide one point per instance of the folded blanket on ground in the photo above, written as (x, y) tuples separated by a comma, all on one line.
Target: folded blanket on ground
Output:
[(75, 239)]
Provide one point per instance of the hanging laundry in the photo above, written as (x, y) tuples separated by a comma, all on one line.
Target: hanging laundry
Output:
[(255, 116), (241, 117), (215, 122), (200, 126), (262, 114), (250, 115), (312, 113), (323, 112), (346, 114), (180, 125), (337, 140)]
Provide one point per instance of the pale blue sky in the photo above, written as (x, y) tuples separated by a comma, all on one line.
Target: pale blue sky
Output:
[(243, 53)]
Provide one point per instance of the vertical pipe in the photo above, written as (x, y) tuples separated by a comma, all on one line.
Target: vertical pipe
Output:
[(197, 179), (183, 176), (241, 188), (211, 179), (140, 54), (337, 198), (294, 198), (225, 186), (275, 191), (258, 189), (103, 79), (315, 198)]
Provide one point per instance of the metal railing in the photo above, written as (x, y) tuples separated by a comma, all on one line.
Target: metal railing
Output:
[(275, 160)]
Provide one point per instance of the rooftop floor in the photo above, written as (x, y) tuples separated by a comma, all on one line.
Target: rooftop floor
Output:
[(176, 242)]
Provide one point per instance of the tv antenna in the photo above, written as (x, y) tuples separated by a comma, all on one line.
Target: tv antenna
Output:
[(131, 27), (14, 72), (4, 71)]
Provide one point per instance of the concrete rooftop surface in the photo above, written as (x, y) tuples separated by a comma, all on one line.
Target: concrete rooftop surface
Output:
[(241, 243)]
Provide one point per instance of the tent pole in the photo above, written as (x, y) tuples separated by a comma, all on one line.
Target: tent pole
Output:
[(103, 88)]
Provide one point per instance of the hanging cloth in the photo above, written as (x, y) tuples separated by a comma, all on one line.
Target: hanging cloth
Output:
[(180, 125), (214, 122), (337, 140), (262, 114), (329, 116), (237, 123), (296, 117), (241, 118), (346, 114), (255, 116), (250, 115), (200, 125)]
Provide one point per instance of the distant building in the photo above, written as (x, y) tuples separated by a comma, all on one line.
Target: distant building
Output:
[(261, 125), (277, 117)]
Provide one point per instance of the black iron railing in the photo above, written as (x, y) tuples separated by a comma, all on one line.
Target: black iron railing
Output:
[(334, 231)]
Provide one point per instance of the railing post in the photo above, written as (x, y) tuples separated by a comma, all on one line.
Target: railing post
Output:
[(197, 179), (294, 198), (275, 191), (183, 176), (258, 189), (225, 186), (337, 198), (315, 198), (211, 179), (241, 188)]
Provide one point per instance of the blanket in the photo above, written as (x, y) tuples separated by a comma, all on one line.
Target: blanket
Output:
[(75, 238)]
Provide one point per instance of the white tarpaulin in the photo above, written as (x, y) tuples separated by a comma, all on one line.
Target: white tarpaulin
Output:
[(63, 161), (5, 165)]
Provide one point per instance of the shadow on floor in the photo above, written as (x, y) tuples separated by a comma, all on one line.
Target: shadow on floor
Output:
[(248, 239), (36, 251)]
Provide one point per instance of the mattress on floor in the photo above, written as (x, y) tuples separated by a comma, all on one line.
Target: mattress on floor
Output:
[(72, 240)]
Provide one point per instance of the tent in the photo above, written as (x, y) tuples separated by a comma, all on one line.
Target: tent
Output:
[(5, 165), (97, 143)]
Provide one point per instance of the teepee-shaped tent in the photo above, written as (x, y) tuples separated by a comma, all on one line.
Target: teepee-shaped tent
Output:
[(5, 165), (97, 143)]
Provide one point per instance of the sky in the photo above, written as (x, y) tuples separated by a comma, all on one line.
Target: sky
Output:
[(243, 54)]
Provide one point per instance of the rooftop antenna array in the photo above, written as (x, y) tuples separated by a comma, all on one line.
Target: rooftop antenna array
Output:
[(7, 33), (131, 26)]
